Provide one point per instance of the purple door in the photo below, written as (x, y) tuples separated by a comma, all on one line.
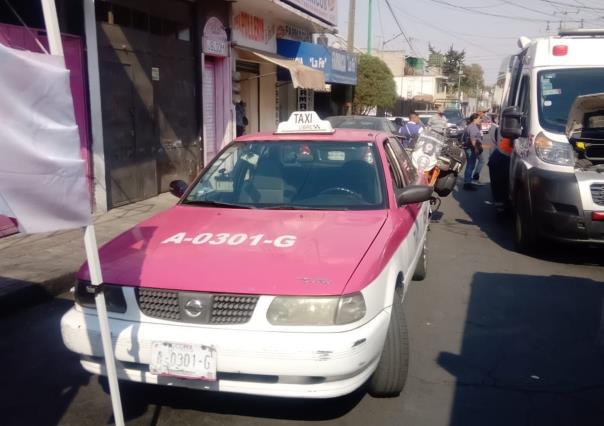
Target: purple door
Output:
[(19, 38)]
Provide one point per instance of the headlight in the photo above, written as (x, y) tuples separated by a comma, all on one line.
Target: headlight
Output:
[(114, 296), (321, 310), (560, 153)]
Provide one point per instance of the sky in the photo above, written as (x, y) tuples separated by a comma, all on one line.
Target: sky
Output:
[(469, 25)]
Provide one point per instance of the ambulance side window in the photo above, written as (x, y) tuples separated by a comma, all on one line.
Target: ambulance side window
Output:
[(395, 171), (524, 103)]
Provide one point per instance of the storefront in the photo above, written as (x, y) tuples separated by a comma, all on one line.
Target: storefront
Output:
[(216, 88), (255, 84), (339, 68)]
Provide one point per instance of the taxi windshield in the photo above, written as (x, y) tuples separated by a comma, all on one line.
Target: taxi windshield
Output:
[(297, 175)]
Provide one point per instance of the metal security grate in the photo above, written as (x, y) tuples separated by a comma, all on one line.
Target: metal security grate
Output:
[(597, 193), (225, 308), (158, 303)]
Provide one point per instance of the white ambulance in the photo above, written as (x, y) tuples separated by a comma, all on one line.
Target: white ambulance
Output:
[(555, 186)]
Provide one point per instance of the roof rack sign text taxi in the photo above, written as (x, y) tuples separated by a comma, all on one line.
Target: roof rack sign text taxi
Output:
[(304, 122)]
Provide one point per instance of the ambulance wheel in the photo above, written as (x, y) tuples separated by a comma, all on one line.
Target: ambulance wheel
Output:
[(525, 237), (421, 270), (388, 380)]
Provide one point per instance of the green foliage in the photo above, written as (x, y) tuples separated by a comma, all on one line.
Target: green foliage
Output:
[(472, 82), (375, 85), (436, 58), (454, 61)]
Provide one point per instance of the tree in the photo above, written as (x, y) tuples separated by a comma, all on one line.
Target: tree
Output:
[(436, 58), (472, 82), (454, 61), (375, 85)]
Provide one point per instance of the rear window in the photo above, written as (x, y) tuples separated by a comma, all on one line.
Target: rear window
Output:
[(360, 123)]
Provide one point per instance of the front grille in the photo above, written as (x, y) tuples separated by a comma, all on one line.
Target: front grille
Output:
[(158, 303), (225, 308), (597, 193)]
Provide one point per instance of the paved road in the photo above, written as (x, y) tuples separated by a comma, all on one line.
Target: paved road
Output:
[(497, 338)]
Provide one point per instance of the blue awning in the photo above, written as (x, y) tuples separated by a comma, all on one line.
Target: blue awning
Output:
[(339, 66)]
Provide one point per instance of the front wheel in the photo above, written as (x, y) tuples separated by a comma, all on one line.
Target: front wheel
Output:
[(388, 379), (525, 235), (421, 270)]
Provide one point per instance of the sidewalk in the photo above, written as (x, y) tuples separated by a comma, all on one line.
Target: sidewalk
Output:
[(36, 267)]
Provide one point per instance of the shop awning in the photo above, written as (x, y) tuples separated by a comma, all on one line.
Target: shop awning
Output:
[(303, 77)]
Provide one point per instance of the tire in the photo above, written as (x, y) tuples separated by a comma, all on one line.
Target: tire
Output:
[(388, 380), (525, 237), (421, 270), (444, 185)]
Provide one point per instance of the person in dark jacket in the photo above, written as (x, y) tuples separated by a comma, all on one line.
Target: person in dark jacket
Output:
[(472, 143)]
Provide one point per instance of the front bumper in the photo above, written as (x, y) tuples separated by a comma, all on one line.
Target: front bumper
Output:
[(290, 364), (558, 208)]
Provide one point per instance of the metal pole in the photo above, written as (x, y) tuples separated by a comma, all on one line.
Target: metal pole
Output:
[(369, 28), (351, 17), (92, 252), (96, 279)]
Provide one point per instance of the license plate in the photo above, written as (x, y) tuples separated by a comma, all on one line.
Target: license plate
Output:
[(183, 360)]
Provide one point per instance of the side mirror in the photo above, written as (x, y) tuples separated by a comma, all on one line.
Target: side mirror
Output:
[(511, 123), (414, 194), (178, 188)]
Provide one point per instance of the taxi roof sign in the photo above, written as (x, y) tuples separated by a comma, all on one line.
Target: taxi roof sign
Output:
[(304, 122)]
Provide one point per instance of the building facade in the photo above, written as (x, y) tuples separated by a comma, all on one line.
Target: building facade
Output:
[(157, 82)]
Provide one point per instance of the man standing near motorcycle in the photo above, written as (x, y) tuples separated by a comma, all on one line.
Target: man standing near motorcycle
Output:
[(472, 139), (411, 130), (438, 122)]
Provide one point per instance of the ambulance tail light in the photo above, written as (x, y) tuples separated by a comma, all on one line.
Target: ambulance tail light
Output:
[(560, 50), (597, 216), (85, 292)]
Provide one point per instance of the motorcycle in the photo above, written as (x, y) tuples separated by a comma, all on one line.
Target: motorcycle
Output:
[(440, 159)]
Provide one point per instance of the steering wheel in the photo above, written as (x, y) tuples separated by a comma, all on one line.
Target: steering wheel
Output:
[(347, 191)]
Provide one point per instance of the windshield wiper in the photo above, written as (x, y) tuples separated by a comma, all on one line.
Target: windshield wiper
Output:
[(218, 204), (299, 207)]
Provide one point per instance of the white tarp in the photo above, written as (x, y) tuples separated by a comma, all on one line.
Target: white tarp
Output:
[(42, 176)]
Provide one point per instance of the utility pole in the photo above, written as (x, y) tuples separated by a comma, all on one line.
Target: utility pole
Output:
[(459, 75), (351, 16), (349, 96), (369, 28)]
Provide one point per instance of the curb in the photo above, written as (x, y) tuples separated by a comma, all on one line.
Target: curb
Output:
[(24, 294)]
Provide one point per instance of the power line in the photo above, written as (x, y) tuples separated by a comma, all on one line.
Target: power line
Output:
[(428, 24), (496, 15), (401, 28), (574, 6)]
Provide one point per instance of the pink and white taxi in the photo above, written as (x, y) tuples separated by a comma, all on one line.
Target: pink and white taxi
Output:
[(281, 271)]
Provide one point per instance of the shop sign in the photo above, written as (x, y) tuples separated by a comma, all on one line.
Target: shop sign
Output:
[(254, 31), (339, 66), (215, 40), (343, 67), (293, 32), (310, 54), (325, 10)]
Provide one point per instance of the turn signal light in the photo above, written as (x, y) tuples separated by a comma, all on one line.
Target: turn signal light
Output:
[(597, 216), (560, 50)]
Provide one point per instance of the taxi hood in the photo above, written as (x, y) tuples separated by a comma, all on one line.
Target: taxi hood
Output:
[(274, 252)]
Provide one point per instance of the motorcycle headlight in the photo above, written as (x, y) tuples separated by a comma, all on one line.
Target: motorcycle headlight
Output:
[(560, 153), (322, 310)]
